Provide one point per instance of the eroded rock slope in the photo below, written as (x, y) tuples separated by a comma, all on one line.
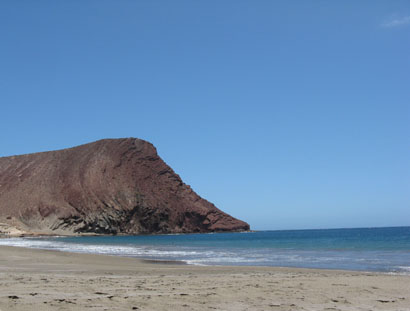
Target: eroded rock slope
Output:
[(112, 186)]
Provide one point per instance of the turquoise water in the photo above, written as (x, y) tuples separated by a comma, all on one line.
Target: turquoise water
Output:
[(366, 249)]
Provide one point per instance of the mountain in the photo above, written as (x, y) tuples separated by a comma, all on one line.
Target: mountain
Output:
[(111, 186)]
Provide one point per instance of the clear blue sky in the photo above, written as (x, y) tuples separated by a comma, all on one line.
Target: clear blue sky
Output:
[(287, 114)]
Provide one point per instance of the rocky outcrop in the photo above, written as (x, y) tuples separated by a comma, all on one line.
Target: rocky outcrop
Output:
[(7, 230), (112, 186)]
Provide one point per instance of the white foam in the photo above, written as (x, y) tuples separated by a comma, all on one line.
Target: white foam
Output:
[(96, 249), (405, 268)]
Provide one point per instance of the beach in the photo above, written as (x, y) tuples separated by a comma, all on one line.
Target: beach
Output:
[(50, 280)]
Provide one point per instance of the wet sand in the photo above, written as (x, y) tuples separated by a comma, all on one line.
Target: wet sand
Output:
[(49, 280)]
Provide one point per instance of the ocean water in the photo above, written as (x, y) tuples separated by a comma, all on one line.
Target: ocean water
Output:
[(366, 249)]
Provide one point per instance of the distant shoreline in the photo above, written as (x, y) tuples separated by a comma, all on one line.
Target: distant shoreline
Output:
[(21, 234)]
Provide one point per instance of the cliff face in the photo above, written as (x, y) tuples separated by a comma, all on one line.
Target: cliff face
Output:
[(110, 186)]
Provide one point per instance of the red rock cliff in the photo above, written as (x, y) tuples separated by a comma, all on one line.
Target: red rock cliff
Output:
[(111, 186)]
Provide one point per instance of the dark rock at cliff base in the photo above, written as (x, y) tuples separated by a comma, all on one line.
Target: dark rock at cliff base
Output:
[(112, 186)]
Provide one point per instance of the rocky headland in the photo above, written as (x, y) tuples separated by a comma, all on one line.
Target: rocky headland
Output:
[(112, 186)]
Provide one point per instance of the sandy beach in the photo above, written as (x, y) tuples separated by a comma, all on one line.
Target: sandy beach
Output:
[(49, 280)]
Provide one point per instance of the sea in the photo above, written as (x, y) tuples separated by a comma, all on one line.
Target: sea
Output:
[(365, 249)]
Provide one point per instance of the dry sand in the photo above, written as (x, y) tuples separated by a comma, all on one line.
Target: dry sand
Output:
[(46, 280)]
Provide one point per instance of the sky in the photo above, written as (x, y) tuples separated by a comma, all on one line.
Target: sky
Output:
[(286, 114)]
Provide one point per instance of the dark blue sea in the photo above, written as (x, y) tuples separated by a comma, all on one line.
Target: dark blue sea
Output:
[(365, 249)]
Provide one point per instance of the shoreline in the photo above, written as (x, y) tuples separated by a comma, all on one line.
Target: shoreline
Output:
[(149, 261), (54, 280), (183, 262), (152, 262)]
